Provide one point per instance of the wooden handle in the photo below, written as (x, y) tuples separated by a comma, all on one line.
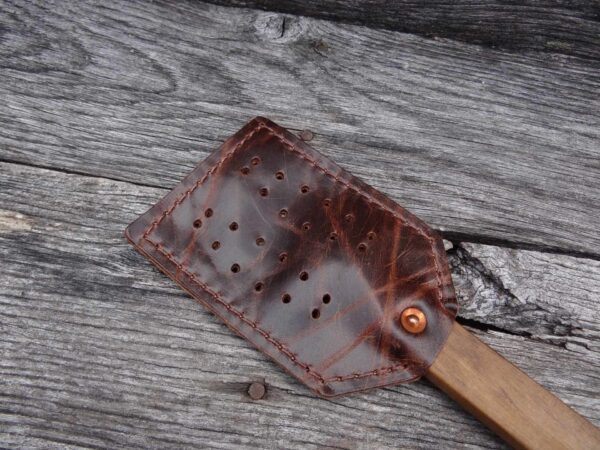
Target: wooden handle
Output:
[(505, 399)]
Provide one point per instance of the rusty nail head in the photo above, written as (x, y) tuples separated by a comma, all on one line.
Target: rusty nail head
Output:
[(413, 320), (256, 391), (306, 135)]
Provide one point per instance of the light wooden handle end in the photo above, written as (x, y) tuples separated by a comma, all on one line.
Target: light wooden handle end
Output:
[(505, 399)]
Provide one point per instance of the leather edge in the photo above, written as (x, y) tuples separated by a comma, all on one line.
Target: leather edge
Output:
[(134, 234)]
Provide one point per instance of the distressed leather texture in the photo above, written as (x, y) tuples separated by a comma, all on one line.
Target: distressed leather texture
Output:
[(307, 262)]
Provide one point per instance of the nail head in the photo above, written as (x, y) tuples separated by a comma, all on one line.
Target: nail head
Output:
[(257, 391), (306, 135)]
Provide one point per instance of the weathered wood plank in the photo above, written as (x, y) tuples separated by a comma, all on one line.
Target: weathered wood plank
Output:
[(549, 297), (101, 350), (553, 26), (492, 146)]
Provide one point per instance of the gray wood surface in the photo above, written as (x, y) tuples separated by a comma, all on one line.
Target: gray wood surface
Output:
[(553, 26), (482, 144), (104, 107), (552, 298), (100, 349)]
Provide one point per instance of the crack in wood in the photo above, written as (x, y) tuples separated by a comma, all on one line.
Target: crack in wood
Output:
[(488, 304)]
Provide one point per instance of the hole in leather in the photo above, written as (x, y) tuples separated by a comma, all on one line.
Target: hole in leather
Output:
[(215, 245), (208, 212), (235, 268), (348, 217), (197, 223), (255, 161), (371, 235), (280, 175), (259, 286), (316, 313), (260, 241), (264, 192), (326, 298), (306, 226), (245, 170), (327, 203), (333, 236), (283, 213), (362, 247), (283, 257), (233, 226), (304, 189), (304, 276), (286, 298)]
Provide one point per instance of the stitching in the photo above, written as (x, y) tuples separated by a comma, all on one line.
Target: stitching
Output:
[(238, 314), (199, 182), (280, 347), (372, 201)]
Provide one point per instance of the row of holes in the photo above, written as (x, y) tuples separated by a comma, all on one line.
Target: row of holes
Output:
[(287, 298), (233, 226), (283, 213), (264, 192), (216, 245), (316, 313), (306, 226), (279, 175), (235, 267), (304, 189)]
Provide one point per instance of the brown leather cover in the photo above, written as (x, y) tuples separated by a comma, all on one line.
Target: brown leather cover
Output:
[(304, 260)]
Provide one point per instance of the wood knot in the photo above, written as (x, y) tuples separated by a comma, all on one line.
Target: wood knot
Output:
[(279, 28)]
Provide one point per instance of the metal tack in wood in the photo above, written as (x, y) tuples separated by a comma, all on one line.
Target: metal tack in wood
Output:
[(257, 390), (306, 135)]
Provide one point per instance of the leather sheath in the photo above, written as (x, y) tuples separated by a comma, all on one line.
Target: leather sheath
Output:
[(306, 261)]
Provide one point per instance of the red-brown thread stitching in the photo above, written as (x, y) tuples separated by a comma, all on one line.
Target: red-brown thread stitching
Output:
[(209, 172), (291, 147), (267, 336)]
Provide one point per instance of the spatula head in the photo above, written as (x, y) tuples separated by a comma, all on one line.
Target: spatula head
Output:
[(307, 262)]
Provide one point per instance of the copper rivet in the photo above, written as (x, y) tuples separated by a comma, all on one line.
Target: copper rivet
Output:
[(256, 391), (413, 320)]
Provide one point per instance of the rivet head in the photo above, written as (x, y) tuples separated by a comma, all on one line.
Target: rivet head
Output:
[(306, 135), (413, 320), (256, 390)]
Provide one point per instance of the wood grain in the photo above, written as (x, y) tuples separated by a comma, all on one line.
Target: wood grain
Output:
[(548, 297), (525, 414), (485, 145), (492, 140), (553, 26), (101, 350)]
